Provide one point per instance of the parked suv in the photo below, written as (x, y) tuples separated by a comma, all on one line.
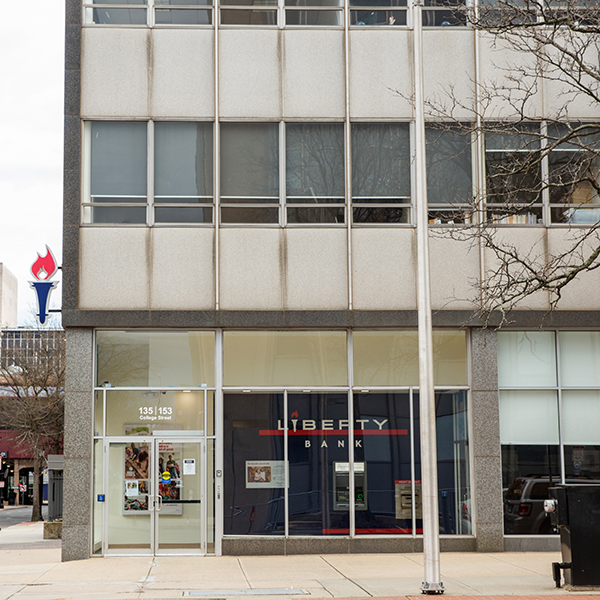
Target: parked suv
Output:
[(524, 503)]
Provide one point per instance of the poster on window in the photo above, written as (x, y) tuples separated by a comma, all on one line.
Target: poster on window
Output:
[(136, 478), (170, 485), (265, 474)]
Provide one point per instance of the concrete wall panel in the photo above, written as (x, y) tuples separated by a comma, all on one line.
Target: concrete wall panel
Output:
[(316, 269), (383, 269), (503, 77), (183, 73), (250, 269), (449, 69), (530, 242), (183, 273), (380, 70), (583, 293), (114, 72), (454, 272), (313, 75), (249, 73), (114, 269)]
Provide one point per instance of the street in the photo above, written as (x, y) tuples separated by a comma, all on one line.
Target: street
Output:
[(14, 516)]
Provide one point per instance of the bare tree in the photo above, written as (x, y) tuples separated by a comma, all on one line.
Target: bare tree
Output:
[(538, 167), (32, 399)]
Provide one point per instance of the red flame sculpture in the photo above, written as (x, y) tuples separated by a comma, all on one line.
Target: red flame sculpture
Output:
[(294, 415), (44, 267)]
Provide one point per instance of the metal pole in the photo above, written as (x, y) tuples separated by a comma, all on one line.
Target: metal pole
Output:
[(431, 542)]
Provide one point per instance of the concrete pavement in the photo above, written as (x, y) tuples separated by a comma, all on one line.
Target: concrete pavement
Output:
[(30, 569)]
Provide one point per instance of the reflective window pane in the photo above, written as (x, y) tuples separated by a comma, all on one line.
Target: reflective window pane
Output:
[(391, 358), (579, 358), (140, 413), (182, 2), (449, 178), (385, 480), (527, 473), (119, 16), (315, 161), (529, 417), (319, 487), (183, 17), (115, 214), (250, 160), (254, 474), (132, 358), (454, 489), (248, 17), (314, 17), (284, 358), (380, 161), (526, 359), (118, 159), (315, 214), (249, 215), (378, 17), (580, 417), (183, 214), (183, 165)]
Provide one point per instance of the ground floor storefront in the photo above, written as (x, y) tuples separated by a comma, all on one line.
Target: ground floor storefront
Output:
[(306, 441)]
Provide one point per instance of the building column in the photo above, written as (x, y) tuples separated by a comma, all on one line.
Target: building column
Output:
[(77, 496), (487, 462)]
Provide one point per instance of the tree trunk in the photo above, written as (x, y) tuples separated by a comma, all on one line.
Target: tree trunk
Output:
[(36, 509)]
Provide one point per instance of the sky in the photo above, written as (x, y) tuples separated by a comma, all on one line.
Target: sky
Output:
[(31, 140)]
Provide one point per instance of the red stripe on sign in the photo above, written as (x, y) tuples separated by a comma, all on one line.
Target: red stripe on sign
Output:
[(370, 530), (334, 432)]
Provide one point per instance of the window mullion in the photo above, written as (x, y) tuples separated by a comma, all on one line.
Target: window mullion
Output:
[(546, 213), (150, 185), (282, 176)]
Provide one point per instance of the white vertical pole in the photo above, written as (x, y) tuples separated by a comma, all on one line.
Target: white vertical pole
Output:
[(431, 541)]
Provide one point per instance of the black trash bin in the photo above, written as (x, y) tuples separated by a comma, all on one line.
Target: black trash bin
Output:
[(576, 514)]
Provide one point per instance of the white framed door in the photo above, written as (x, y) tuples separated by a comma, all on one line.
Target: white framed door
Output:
[(156, 496)]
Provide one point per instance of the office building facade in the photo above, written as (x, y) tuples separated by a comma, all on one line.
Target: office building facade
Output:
[(240, 290)]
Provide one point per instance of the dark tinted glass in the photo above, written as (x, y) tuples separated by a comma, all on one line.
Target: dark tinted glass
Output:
[(254, 494), (318, 452)]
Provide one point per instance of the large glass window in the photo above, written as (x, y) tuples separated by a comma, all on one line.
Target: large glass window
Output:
[(548, 407), (444, 13), (449, 176), (378, 12), (183, 172), (116, 184), (391, 358), (138, 358), (381, 183), (315, 185), (278, 358), (319, 502), (117, 180), (249, 173), (514, 174), (165, 12), (574, 173), (254, 478), (316, 440)]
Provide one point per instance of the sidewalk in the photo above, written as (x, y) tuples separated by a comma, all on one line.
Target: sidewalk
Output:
[(30, 569)]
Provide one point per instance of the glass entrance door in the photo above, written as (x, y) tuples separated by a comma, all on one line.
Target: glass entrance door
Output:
[(180, 515), (155, 502)]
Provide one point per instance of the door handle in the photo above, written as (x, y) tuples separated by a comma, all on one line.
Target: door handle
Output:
[(160, 503)]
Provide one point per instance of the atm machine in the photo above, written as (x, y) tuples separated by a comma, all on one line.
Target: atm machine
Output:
[(341, 486)]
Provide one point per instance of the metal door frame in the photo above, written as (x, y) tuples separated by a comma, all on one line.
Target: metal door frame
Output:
[(153, 509)]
